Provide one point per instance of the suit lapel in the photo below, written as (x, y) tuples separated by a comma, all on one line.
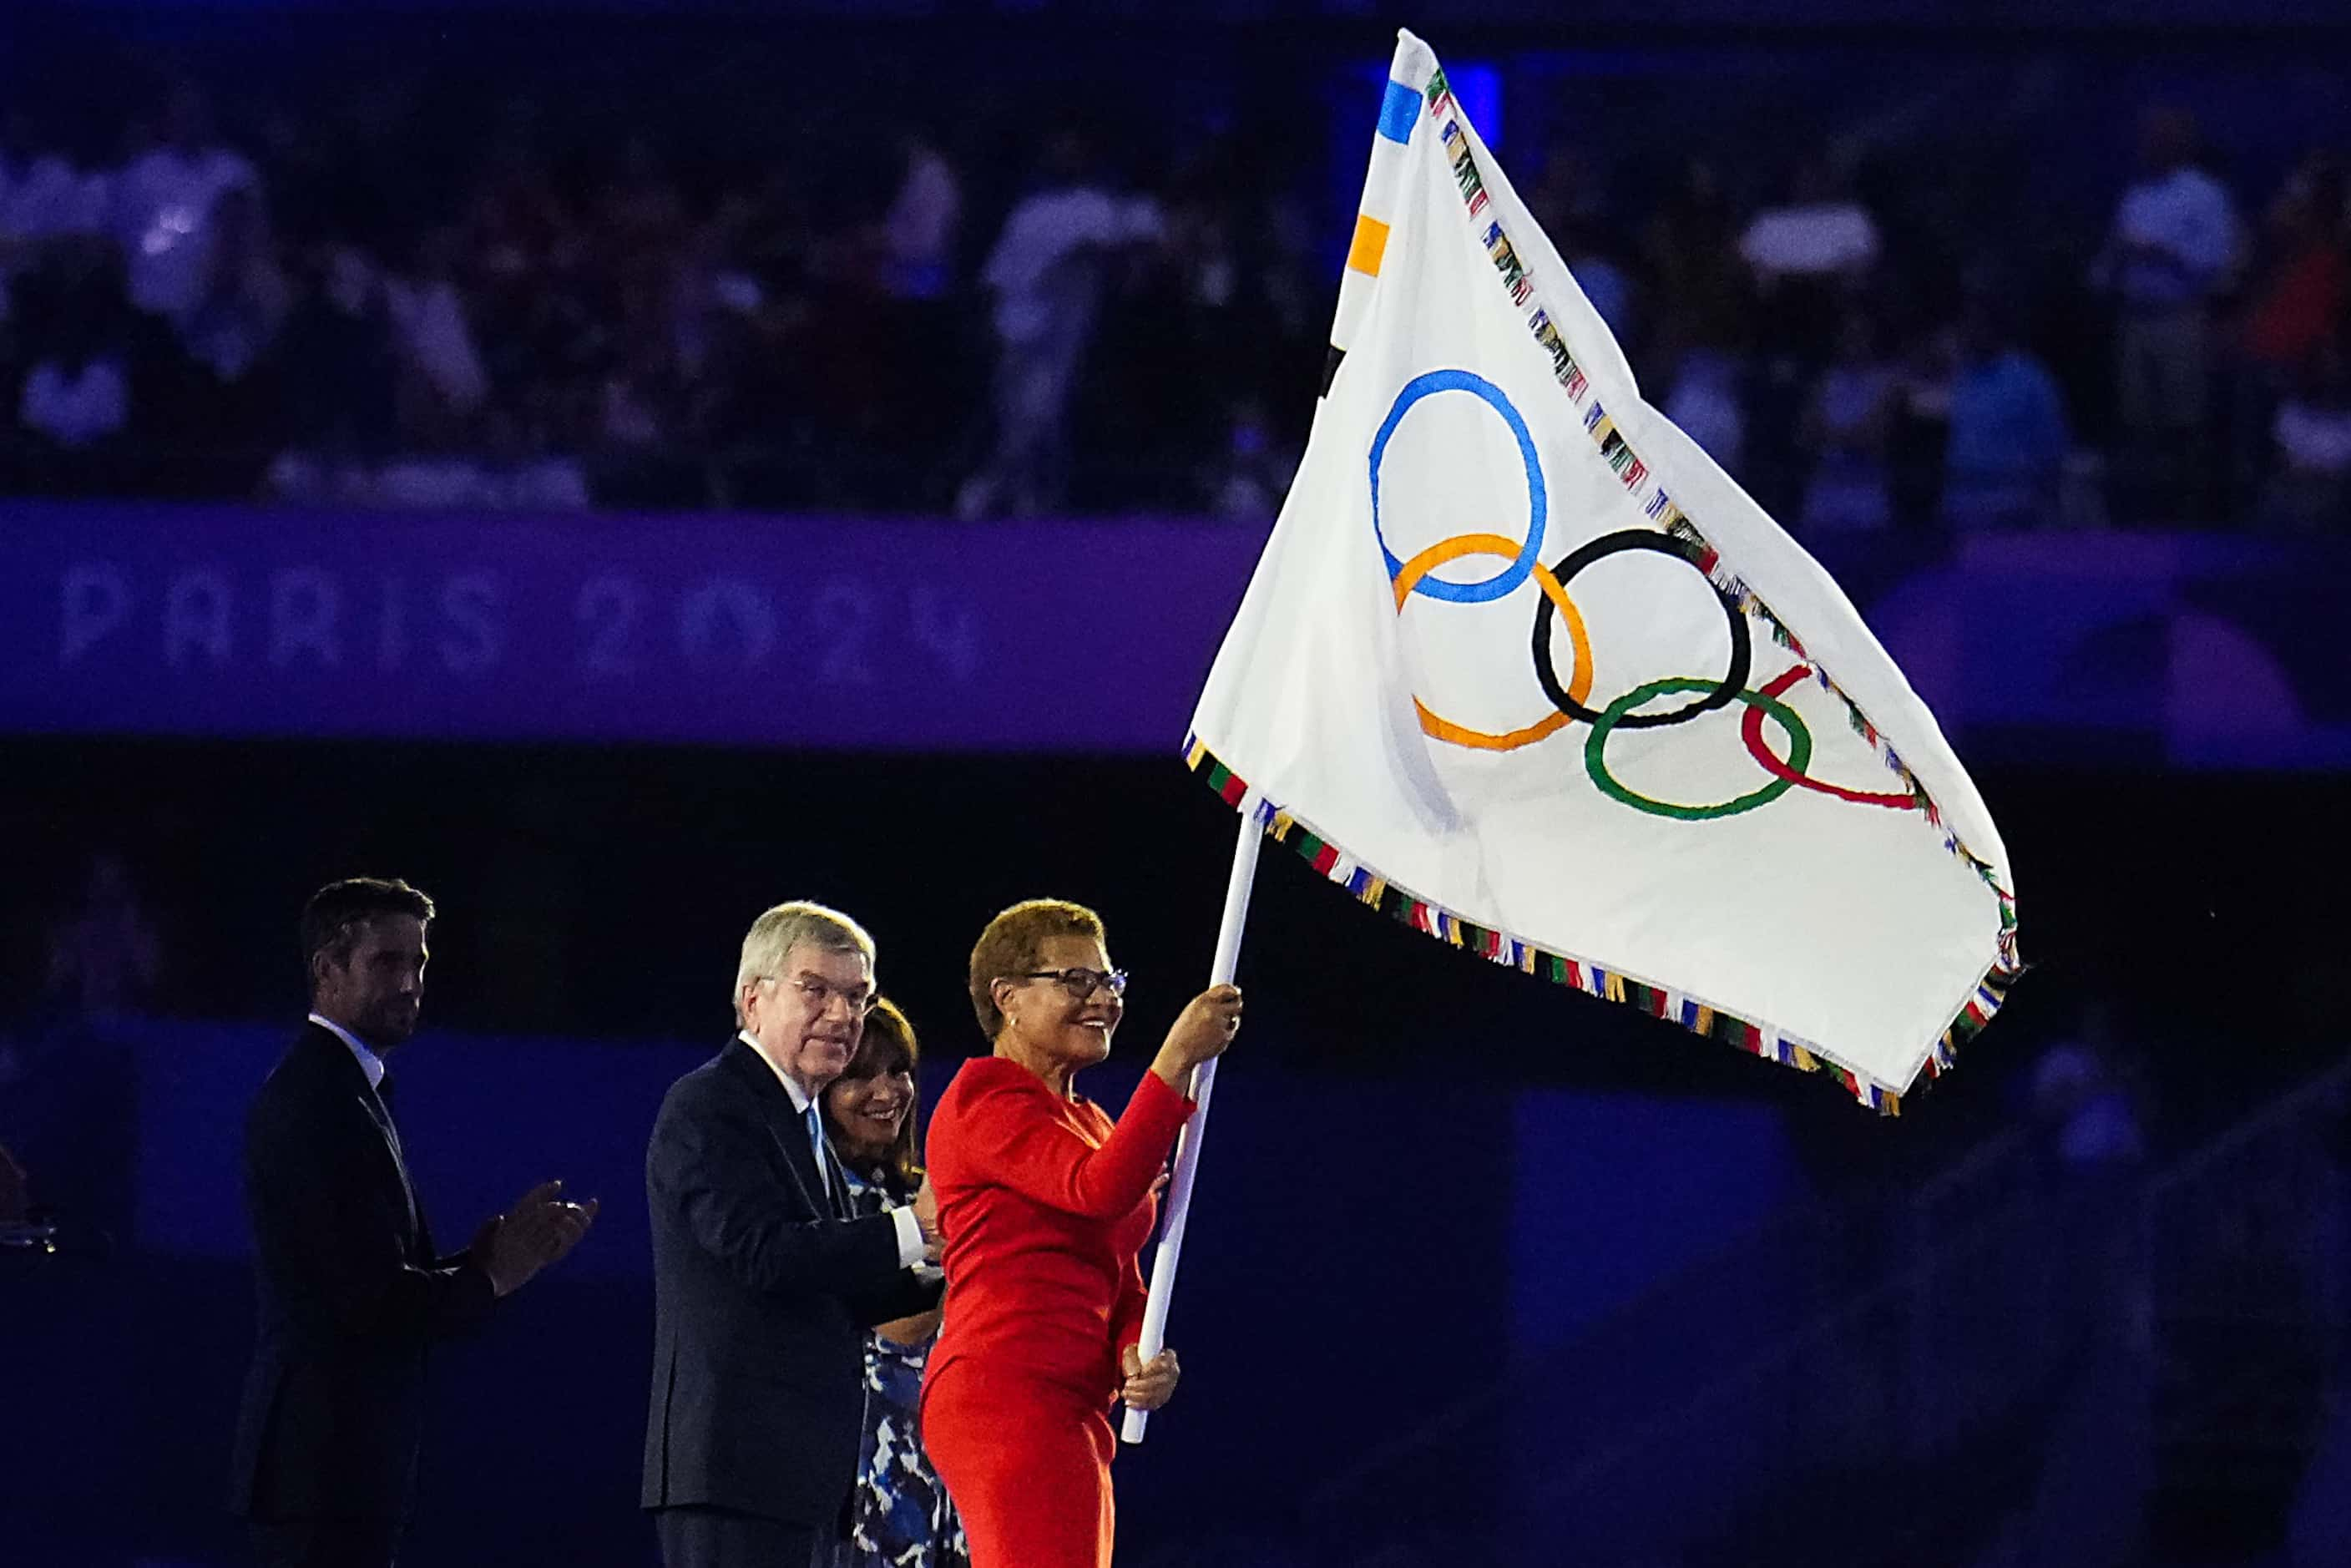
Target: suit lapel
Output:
[(386, 1132), (390, 1123), (784, 1125), (837, 1186)]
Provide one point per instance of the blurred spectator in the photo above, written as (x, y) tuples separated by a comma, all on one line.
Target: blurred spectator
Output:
[(712, 297), (2082, 1104), (1807, 257), (1849, 431), (43, 193), (1706, 403), (76, 397), (318, 478), (242, 298), (1565, 196), (642, 209), (212, 403), (165, 202), (1594, 254), (1691, 256), (2089, 1505), (430, 327), (1568, 206), (1046, 278), (743, 329), (2171, 251), (2295, 306), (2312, 489), (1247, 484), (2298, 297), (509, 472), (1819, 232), (519, 473), (919, 231), (106, 954), (640, 395), (423, 480), (2008, 440), (43, 197), (338, 361), (75, 402), (1190, 335)]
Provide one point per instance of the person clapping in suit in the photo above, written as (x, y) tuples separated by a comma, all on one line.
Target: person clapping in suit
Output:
[(351, 1289), (765, 1276)]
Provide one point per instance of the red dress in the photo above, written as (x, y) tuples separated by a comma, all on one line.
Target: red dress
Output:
[(1045, 1206)]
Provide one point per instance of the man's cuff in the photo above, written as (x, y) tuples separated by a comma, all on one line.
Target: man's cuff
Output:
[(911, 1245)]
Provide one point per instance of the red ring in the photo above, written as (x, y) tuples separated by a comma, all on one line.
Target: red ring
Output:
[(1751, 730)]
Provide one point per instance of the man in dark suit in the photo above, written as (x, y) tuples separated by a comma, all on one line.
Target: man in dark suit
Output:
[(352, 1292), (763, 1286)]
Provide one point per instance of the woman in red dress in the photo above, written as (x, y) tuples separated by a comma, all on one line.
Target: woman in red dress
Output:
[(1045, 1205)]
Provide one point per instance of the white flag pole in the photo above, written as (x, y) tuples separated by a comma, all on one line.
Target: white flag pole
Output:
[(1204, 1081)]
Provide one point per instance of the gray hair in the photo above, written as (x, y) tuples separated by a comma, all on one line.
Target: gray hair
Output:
[(800, 924)]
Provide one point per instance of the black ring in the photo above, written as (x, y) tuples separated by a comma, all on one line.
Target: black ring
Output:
[(1575, 561)]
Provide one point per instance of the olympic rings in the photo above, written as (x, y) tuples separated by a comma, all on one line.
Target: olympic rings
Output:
[(1595, 748), (1523, 557), (1719, 694), (1569, 702), (1445, 730), (1750, 729)]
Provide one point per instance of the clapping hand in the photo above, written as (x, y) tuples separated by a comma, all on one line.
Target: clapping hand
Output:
[(1149, 1383), (539, 1230)]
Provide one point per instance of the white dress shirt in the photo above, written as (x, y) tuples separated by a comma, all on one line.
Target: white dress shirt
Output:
[(370, 1062), (911, 1245)]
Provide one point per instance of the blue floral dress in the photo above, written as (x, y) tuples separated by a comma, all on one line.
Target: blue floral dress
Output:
[(901, 1517)]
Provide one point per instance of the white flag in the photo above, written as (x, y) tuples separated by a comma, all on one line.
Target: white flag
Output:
[(1522, 666)]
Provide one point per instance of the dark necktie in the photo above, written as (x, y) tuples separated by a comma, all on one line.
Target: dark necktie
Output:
[(391, 1126), (383, 1099)]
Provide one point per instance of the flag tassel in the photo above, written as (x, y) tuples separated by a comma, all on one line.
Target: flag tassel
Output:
[(1694, 1014)]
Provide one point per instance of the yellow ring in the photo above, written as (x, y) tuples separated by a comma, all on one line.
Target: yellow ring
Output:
[(1579, 688)]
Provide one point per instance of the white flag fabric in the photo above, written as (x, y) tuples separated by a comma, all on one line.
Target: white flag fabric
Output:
[(1522, 666)]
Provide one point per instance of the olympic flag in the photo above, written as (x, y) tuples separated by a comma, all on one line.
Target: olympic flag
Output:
[(1522, 667)]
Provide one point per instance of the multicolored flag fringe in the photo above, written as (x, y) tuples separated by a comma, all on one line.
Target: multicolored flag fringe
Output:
[(1521, 667)]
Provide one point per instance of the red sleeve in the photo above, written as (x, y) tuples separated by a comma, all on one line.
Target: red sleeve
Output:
[(1009, 1140)]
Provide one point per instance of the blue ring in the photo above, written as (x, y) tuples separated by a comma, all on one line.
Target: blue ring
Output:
[(1538, 500)]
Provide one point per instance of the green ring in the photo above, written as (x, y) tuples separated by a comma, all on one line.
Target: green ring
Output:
[(1595, 748)]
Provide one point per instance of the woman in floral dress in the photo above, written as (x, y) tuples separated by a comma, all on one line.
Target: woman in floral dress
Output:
[(901, 1517)]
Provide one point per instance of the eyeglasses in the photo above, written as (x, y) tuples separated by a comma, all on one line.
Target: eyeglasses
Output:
[(1082, 983), (819, 995)]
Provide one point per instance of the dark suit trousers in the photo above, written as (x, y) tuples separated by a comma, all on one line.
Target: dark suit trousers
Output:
[(694, 1537), (326, 1543)]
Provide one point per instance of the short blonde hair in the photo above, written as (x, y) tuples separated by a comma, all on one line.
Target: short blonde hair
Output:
[(1011, 945), (800, 924)]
